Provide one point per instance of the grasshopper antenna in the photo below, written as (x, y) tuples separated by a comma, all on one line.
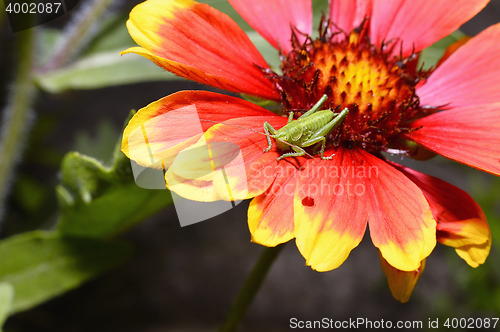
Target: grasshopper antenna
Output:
[(236, 126)]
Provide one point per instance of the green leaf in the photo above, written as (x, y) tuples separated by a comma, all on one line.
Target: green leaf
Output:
[(47, 40), (99, 146), (101, 70), (85, 176), (115, 210), (112, 35), (100, 64), (320, 7), (100, 201), (431, 55), (40, 265), (6, 300)]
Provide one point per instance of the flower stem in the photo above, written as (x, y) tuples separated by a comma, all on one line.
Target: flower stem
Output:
[(79, 32), (17, 116), (250, 288)]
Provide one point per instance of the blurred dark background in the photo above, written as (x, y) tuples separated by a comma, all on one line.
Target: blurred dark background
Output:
[(185, 279)]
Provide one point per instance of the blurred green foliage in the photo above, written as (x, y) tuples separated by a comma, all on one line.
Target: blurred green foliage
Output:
[(6, 300), (96, 202), (483, 283), (40, 265), (431, 55)]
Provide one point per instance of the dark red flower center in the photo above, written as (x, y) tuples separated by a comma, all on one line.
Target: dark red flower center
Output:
[(377, 87)]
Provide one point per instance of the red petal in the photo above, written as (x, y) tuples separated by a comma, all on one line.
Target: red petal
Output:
[(273, 19), (419, 23), (330, 220), (348, 15), (401, 222), (461, 221), (158, 130), (469, 76), (401, 283), (197, 42), (248, 176), (261, 168), (270, 215), (335, 199), (470, 135)]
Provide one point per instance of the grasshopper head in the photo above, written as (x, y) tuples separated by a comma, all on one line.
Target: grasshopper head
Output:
[(282, 138)]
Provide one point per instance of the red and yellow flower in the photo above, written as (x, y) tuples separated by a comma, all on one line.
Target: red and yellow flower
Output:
[(365, 59)]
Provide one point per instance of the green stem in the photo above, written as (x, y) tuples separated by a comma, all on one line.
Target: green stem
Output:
[(17, 116), (77, 34), (250, 288)]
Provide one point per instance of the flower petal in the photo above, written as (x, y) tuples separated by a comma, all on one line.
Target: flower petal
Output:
[(469, 135), (159, 131), (461, 222), (247, 177), (348, 15), (201, 172), (270, 215), (469, 76), (401, 283), (474, 255), (335, 199), (273, 19), (401, 222), (197, 42), (330, 219), (419, 23)]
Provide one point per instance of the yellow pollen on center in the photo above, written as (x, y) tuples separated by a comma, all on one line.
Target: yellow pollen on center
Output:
[(357, 75), (377, 87)]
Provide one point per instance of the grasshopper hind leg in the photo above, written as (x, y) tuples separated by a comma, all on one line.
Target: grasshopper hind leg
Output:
[(315, 141)]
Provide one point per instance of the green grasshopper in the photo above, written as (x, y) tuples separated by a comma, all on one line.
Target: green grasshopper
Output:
[(309, 129)]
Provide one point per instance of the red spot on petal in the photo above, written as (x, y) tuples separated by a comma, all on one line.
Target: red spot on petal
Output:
[(308, 201)]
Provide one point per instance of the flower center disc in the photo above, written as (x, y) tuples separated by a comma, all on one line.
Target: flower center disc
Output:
[(377, 87)]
